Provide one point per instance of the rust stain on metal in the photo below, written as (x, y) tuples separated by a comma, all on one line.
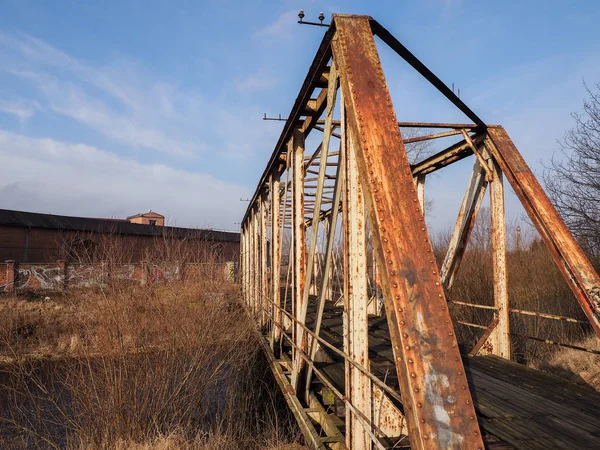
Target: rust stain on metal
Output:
[(570, 259), (428, 362)]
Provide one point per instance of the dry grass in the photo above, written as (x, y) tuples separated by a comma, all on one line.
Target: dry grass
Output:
[(534, 284), (173, 366), (576, 366)]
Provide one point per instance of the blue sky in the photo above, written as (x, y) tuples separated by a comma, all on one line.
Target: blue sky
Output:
[(114, 107)]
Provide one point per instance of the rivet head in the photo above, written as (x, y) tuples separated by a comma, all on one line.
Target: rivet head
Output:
[(413, 375)]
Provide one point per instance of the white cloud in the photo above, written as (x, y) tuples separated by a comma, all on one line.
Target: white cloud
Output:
[(23, 109), (142, 113), (281, 27), (57, 177)]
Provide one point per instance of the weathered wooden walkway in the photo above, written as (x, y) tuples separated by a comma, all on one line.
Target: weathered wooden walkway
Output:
[(517, 407)]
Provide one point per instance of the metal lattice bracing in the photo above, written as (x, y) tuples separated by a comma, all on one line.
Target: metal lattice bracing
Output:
[(338, 267)]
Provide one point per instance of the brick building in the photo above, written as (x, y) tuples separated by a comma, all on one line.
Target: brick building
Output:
[(27, 237), (149, 218)]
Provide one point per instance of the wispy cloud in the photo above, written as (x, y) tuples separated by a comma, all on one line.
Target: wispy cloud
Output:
[(256, 82), (116, 100), (280, 28), (59, 177), (23, 109)]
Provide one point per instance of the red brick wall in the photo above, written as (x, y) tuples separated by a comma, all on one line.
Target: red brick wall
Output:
[(51, 245)]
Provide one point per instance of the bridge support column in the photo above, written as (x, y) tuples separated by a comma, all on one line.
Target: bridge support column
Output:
[(275, 261), (500, 337), (356, 299), (264, 274), (255, 264), (296, 156)]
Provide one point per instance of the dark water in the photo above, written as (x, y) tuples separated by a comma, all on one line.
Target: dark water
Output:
[(48, 403)]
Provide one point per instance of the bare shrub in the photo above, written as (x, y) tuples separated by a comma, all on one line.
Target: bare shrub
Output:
[(534, 284), (172, 363)]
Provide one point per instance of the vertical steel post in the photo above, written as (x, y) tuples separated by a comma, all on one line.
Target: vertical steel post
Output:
[(568, 256), (243, 266), (275, 260), (464, 225), (500, 337), (255, 263), (325, 291), (420, 182), (296, 152), (264, 274), (356, 298)]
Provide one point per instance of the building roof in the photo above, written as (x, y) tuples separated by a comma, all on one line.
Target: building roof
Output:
[(147, 214), (117, 226)]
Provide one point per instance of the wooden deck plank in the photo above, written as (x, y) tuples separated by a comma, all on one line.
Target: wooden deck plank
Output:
[(524, 407)]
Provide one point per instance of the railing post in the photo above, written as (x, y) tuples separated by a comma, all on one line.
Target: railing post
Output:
[(500, 337)]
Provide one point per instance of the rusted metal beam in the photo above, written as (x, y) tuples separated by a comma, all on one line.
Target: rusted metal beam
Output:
[(331, 99), (437, 125), (264, 272), (255, 264), (570, 259), (452, 154), (431, 136), (500, 336), (356, 338), (420, 183), (438, 405), (296, 156), (275, 259), (326, 285), (465, 221)]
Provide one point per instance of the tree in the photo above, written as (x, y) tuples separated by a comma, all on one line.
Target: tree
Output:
[(573, 179)]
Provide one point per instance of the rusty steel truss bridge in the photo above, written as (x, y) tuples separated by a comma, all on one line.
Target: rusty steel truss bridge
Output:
[(354, 312)]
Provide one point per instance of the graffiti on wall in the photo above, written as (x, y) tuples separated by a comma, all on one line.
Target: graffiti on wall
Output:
[(162, 274), (85, 276), (38, 277), (56, 277)]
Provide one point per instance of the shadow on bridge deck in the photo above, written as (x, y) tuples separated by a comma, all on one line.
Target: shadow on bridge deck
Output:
[(517, 407)]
